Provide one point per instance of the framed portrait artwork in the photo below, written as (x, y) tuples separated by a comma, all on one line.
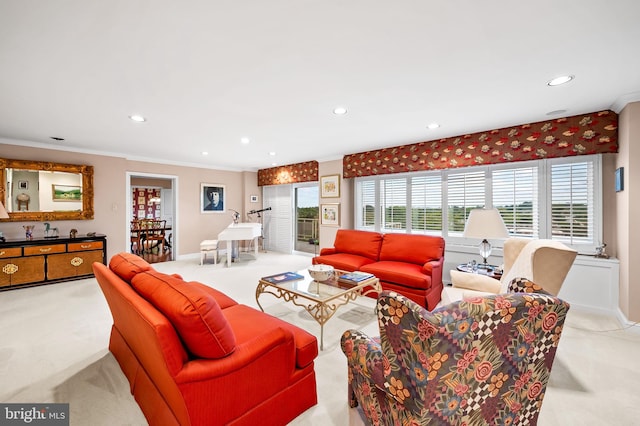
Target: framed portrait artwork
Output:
[(212, 198), (330, 186), (330, 214)]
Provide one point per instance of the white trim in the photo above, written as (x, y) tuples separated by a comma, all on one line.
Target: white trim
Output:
[(631, 326), (625, 100)]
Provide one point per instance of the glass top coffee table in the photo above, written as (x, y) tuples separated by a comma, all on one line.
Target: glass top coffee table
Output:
[(320, 299)]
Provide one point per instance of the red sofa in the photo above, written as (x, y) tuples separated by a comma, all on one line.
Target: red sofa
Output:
[(408, 264), (193, 356)]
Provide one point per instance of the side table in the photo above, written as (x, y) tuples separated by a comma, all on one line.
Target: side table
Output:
[(489, 270)]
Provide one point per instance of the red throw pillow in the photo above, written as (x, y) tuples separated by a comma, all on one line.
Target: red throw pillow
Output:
[(127, 265), (362, 243), (194, 313), (411, 248)]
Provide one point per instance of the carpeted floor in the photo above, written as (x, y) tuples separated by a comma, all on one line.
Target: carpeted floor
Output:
[(53, 348)]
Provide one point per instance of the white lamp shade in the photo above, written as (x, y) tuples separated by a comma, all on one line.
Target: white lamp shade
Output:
[(485, 224), (3, 212)]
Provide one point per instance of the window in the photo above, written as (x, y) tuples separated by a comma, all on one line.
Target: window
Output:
[(393, 204), (572, 203), (515, 195), (366, 205), (426, 204), (557, 199), (465, 192)]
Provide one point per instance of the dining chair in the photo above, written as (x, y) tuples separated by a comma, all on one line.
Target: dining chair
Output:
[(155, 235), (136, 235)]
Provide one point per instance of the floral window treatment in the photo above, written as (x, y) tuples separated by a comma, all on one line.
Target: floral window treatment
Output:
[(293, 173), (562, 137)]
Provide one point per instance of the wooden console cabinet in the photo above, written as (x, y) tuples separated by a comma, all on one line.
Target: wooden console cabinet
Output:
[(47, 260)]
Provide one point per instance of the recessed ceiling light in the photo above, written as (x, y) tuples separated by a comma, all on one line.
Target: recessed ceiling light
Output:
[(560, 80), (433, 126), (274, 164), (138, 118), (557, 112), (340, 111), (244, 140), (55, 138), (205, 153), (272, 153)]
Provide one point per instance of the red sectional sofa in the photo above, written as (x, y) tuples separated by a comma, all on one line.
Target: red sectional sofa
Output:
[(408, 264), (193, 356)]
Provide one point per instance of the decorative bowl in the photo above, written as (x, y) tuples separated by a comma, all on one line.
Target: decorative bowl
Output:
[(321, 272)]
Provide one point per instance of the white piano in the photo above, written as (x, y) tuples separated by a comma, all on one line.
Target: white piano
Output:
[(240, 232)]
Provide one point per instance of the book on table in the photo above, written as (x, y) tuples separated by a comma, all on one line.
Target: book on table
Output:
[(355, 277), (282, 277)]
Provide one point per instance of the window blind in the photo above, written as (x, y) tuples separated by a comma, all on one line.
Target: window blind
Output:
[(393, 197), (552, 198), (465, 191), (366, 205), (426, 204), (515, 195), (572, 203)]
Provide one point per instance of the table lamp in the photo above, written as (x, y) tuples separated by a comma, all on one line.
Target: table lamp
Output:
[(3, 215), (485, 223)]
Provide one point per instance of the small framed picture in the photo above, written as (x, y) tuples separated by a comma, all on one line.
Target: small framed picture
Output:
[(66, 192), (330, 214), (254, 199), (620, 179), (330, 186), (212, 198), (23, 184)]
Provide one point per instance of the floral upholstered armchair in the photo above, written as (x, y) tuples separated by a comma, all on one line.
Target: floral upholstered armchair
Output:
[(480, 361)]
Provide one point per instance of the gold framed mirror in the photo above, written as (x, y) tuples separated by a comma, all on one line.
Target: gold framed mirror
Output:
[(45, 191)]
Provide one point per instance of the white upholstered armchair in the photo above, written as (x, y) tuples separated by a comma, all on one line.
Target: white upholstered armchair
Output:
[(544, 262)]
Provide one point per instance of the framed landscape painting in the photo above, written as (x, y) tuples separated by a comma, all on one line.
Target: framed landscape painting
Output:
[(66, 192)]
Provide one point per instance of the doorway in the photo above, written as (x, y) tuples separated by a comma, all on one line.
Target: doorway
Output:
[(153, 197), (306, 218)]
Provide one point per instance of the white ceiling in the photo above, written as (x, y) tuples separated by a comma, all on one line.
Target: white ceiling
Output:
[(207, 73)]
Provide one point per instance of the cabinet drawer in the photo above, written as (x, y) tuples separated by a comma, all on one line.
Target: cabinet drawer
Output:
[(10, 252), (21, 270), (52, 248), (86, 245), (68, 265)]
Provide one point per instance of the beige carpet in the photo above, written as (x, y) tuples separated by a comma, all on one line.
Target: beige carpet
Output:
[(55, 337), (53, 348)]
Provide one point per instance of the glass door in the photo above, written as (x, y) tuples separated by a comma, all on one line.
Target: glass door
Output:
[(306, 218)]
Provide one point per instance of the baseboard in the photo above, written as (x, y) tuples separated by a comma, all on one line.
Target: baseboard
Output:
[(626, 324)]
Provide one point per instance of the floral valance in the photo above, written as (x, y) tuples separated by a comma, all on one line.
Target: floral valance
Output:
[(562, 137), (292, 173)]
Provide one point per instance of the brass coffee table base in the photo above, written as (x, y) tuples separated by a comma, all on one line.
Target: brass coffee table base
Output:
[(324, 302)]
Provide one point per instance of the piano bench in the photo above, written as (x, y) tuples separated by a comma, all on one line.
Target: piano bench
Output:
[(209, 246)]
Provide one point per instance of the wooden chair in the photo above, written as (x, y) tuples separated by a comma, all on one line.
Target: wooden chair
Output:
[(155, 235), (136, 234)]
